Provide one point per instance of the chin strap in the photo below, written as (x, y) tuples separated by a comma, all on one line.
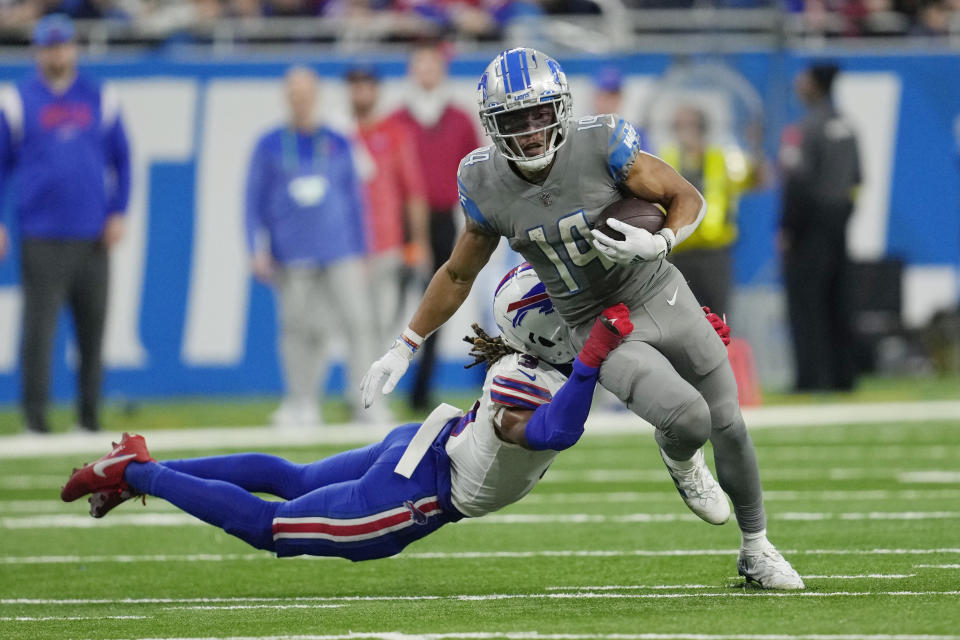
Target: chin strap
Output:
[(529, 167)]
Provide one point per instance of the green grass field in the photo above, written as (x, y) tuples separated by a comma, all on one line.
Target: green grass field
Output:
[(602, 548)]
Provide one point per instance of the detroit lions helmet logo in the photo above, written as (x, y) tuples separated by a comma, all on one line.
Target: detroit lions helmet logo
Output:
[(535, 299)]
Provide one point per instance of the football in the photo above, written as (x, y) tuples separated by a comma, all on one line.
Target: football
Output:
[(633, 211)]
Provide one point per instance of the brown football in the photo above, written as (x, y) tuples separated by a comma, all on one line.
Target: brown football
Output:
[(633, 211)]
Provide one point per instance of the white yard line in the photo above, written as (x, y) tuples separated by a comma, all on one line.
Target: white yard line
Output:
[(237, 607), (936, 566), (59, 618), (39, 507), (658, 587), (600, 423), (929, 477), (467, 555), (858, 576), (82, 521), (534, 635), (629, 587), (588, 497), (500, 596)]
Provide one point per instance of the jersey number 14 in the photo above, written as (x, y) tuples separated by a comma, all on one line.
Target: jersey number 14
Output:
[(574, 233)]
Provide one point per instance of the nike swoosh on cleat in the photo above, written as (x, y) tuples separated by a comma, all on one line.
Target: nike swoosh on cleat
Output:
[(672, 300), (531, 377), (99, 466)]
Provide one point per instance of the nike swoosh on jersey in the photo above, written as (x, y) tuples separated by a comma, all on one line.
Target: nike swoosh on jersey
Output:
[(673, 299), (99, 466), (531, 377)]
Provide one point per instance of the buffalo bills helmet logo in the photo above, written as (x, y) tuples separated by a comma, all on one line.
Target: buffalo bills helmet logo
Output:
[(535, 299)]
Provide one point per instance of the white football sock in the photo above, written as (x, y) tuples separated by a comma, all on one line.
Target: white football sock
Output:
[(681, 465), (755, 541)]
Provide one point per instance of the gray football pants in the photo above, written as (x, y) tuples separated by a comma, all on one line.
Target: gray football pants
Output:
[(315, 302), (673, 372)]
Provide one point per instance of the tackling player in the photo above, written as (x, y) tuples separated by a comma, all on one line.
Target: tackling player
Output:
[(372, 502), (542, 185)]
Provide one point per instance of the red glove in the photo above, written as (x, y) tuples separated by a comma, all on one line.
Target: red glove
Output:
[(721, 327), (607, 333)]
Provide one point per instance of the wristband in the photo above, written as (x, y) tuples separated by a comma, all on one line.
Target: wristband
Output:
[(670, 237), (411, 340)]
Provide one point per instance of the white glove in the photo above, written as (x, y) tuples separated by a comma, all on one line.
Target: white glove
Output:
[(638, 245), (384, 374)]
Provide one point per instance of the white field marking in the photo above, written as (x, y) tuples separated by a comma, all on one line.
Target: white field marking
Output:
[(507, 596), (875, 576), (463, 555), (933, 477), (769, 496), (235, 607), (936, 566), (58, 618), (76, 521), (627, 587), (654, 587), (607, 476), (123, 559), (37, 507), (33, 482), (534, 635), (600, 423)]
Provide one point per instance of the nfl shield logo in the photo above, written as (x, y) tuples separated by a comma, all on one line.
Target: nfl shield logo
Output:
[(546, 198)]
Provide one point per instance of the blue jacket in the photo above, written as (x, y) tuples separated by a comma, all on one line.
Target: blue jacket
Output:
[(68, 157), (304, 191)]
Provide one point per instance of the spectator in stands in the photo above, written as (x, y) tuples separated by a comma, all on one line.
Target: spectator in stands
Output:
[(396, 201), (62, 139), (305, 235), (608, 98), (444, 134), (721, 174), (821, 172)]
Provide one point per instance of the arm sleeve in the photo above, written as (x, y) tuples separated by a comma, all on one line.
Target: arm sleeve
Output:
[(118, 156), (559, 424), (256, 191), (623, 146)]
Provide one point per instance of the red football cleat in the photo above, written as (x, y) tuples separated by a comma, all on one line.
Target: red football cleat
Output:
[(107, 472), (102, 502)]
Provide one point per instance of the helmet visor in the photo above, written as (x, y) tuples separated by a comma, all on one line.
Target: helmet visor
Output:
[(530, 132)]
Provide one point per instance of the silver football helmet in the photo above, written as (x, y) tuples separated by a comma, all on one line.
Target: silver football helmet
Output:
[(521, 93), (527, 319)]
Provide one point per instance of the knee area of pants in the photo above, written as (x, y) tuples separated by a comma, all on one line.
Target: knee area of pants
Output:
[(692, 424)]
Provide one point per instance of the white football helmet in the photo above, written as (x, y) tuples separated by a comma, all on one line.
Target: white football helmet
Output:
[(527, 319), (520, 80)]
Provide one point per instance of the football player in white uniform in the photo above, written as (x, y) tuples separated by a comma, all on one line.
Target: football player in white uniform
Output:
[(374, 501), (542, 185)]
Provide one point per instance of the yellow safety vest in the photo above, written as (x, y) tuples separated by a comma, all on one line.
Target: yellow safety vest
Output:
[(725, 174)]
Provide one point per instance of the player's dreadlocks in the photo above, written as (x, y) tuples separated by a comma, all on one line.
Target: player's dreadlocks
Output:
[(485, 349)]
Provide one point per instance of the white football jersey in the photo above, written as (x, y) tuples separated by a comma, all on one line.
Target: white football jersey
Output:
[(486, 473)]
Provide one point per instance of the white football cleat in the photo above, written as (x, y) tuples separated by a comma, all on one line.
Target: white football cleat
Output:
[(768, 569), (699, 488)]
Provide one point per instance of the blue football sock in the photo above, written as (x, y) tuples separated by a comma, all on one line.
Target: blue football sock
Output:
[(224, 505)]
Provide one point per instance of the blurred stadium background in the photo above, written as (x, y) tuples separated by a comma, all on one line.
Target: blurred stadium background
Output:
[(199, 80)]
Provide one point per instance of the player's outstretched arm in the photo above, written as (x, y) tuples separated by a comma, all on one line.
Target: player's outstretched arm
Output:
[(447, 290), (652, 179), (558, 424)]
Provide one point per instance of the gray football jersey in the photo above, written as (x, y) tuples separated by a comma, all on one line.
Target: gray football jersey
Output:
[(549, 224)]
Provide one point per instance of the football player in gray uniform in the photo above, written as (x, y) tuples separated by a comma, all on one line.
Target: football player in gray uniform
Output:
[(542, 185)]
